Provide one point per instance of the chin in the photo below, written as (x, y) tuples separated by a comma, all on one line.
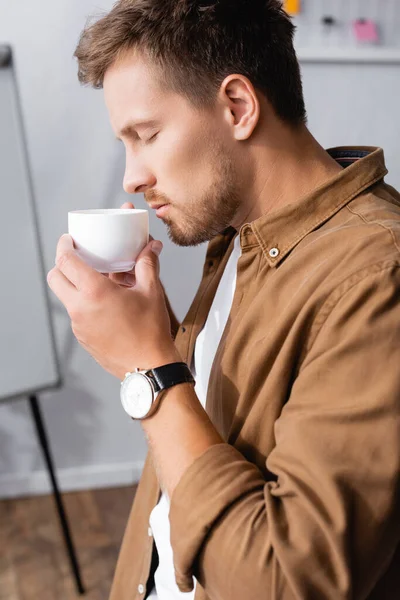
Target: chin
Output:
[(188, 239)]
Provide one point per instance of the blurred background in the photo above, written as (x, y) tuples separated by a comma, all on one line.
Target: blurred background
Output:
[(350, 57)]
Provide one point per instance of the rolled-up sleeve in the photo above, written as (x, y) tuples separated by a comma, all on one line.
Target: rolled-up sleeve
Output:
[(329, 525)]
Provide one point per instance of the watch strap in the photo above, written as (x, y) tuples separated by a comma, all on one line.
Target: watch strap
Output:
[(169, 375)]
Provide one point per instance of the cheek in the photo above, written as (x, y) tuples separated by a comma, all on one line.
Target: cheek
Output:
[(192, 158), (183, 162)]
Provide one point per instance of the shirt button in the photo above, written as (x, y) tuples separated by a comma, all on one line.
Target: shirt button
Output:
[(149, 531), (141, 588), (274, 252)]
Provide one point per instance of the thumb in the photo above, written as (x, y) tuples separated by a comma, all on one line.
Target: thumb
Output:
[(147, 268)]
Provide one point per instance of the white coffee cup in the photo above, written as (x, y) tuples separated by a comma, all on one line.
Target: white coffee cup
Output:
[(109, 240)]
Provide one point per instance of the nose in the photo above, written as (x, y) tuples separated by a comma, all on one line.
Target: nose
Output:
[(138, 178)]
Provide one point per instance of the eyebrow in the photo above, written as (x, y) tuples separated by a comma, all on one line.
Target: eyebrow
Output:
[(133, 125)]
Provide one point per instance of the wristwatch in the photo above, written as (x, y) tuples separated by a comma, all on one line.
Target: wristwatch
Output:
[(141, 390)]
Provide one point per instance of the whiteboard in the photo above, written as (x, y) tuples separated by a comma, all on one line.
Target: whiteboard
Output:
[(28, 359)]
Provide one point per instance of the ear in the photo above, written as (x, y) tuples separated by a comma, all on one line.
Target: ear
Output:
[(242, 107)]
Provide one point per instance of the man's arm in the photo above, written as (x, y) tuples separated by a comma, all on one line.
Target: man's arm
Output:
[(328, 526), (178, 434)]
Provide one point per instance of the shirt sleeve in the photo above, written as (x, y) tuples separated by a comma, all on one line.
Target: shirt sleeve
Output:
[(328, 526)]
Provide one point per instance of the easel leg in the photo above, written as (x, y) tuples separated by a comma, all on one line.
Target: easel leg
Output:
[(40, 428)]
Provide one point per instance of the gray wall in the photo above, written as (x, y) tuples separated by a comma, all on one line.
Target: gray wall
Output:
[(76, 163)]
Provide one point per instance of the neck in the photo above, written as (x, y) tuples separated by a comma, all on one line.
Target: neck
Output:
[(287, 167)]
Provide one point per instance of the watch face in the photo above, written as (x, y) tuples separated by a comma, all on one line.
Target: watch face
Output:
[(137, 395)]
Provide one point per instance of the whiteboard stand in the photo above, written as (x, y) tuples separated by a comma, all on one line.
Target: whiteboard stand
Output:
[(20, 375), (44, 443)]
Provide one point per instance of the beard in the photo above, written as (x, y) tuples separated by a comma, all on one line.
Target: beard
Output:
[(201, 219)]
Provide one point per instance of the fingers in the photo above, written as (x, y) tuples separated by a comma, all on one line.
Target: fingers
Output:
[(126, 279), (127, 205), (73, 267)]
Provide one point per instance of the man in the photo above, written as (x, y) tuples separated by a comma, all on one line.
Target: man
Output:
[(279, 470)]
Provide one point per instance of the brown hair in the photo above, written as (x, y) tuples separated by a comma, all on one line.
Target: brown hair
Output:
[(197, 43)]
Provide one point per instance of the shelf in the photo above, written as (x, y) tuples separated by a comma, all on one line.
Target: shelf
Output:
[(349, 55)]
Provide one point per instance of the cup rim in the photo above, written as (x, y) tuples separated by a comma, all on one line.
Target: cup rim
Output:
[(110, 212)]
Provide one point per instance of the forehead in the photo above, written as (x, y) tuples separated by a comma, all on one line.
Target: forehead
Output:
[(132, 90)]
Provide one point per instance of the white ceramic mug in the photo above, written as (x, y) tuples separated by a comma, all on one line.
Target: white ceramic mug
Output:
[(109, 240)]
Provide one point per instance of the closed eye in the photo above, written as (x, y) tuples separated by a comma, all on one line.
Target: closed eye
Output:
[(153, 137)]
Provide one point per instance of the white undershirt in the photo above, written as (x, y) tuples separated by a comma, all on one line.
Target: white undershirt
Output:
[(206, 347)]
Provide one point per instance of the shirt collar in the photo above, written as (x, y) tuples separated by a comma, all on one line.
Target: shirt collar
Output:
[(280, 231)]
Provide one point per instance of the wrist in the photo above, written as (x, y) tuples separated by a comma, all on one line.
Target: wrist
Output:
[(158, 359), (162, 358)]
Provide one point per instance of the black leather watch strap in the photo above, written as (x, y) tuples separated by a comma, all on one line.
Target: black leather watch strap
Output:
[(169, 375)]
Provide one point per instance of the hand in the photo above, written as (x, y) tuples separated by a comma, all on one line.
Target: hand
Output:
[(122, 328), (128, 279)]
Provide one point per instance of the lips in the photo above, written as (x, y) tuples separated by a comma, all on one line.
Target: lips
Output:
[(161, 212)]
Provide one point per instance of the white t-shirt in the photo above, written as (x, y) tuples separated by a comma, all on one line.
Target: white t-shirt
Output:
[(206, 347)]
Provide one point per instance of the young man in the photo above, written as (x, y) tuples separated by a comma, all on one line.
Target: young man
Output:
[(279, 471)]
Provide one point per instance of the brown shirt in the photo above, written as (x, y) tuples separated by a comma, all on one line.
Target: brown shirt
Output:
[(302, 501)]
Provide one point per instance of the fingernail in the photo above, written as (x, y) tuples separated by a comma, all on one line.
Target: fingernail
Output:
[(157, 247)]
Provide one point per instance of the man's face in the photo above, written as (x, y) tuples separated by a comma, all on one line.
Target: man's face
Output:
[(175, 154)]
